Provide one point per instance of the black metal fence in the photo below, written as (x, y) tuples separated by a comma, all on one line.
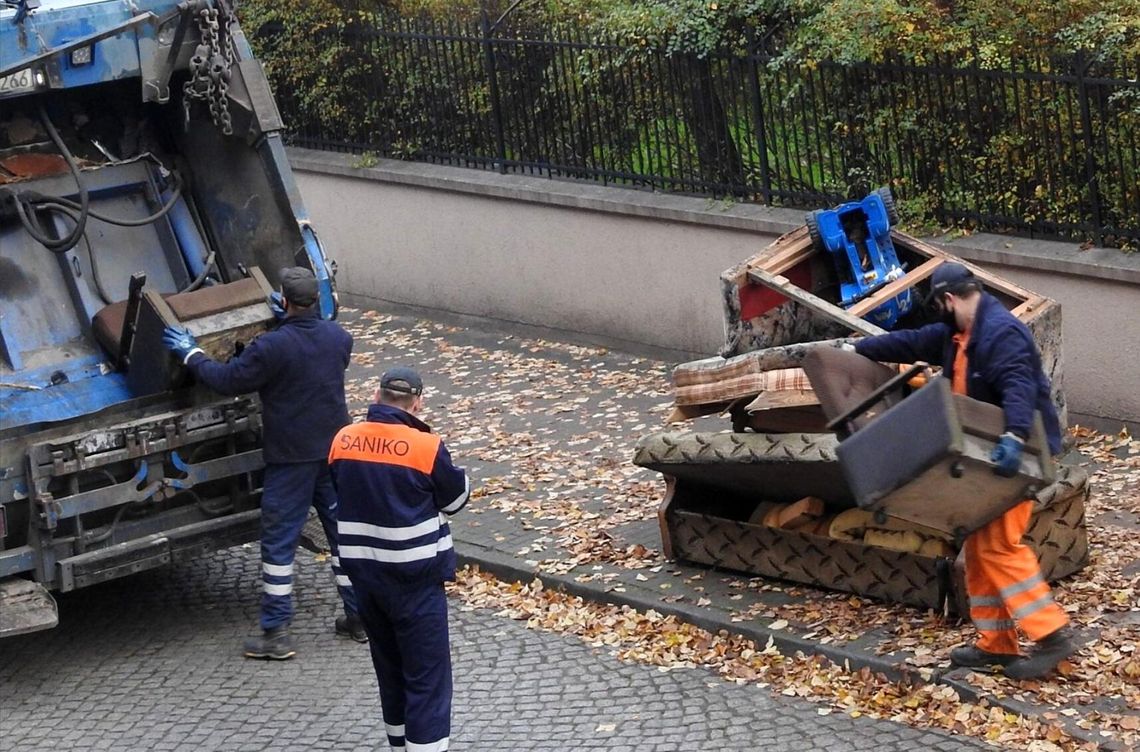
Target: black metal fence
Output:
[(1041, 146)]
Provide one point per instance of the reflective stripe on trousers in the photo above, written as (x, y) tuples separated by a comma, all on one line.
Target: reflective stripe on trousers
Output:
[(289, 491), (1004, 582), (408, 638)]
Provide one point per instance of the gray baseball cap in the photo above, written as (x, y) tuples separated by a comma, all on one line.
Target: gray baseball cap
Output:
[(299, 286), (402, 379)]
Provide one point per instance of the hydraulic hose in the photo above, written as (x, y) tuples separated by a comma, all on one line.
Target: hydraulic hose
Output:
[(29, 202), (27, 211), (201, 278), (55, 203), (93, 260)]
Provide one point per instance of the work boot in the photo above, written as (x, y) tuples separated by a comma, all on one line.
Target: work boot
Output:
[(1044, 658), (352, 626), (972, 656), (274, 644)]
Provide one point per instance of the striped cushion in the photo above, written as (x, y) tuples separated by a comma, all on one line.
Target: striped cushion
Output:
[(735, 385)]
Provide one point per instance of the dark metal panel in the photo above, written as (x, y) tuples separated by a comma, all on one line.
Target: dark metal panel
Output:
[(246, 216)]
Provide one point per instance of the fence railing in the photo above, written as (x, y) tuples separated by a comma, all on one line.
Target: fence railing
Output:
[(1043, 146)]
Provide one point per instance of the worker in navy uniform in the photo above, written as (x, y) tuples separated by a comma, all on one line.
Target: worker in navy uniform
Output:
[(989, 355), (298, 371), (397, 483)]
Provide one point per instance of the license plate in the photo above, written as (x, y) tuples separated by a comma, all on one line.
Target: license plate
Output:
[(20, 81)]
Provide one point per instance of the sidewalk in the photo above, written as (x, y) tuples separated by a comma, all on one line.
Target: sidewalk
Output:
[(547, 431)]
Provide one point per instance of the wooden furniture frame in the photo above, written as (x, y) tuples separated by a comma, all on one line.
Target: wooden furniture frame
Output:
[(780, 297)]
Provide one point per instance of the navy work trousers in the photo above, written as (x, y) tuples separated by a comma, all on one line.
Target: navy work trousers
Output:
[(407, 633), (289, 490)]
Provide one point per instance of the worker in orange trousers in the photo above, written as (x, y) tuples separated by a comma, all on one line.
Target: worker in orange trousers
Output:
[(989, 355)]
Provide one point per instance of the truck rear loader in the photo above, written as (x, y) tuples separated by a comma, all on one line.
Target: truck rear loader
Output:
[(143, 183)]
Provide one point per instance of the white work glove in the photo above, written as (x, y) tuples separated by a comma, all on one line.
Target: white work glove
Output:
[(847, 347)]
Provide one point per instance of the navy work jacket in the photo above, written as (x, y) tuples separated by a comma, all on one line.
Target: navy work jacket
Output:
[(298, 371), (396, 482), (1003, 360)]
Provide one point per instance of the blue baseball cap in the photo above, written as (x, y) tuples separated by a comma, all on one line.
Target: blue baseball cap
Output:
[(950, 278)]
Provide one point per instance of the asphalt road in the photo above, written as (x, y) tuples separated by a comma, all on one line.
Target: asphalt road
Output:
[(152, 662)]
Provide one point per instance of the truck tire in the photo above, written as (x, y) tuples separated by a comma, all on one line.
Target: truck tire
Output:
[(889, 202), (812, 221)]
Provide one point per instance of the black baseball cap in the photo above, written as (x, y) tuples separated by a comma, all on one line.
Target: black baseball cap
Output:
[(950, 278), (403, 380), (299, 286)]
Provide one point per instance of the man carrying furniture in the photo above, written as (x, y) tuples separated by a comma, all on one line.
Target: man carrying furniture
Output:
[(989, 355), (298, 371), (396, 482)]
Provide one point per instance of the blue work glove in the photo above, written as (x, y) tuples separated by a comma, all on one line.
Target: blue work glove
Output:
[(180, 342), (1007, 455), (277, 305)]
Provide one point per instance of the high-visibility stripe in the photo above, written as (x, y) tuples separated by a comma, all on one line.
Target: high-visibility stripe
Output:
[(336, 560), (439, 746), (343, 581), (984, 601), (397, 731), (390, 556), (1020, 587), (277, 570), (386, 443), (272, 589), (1022, 611), (388, 533), (460, 500), (994, 625)]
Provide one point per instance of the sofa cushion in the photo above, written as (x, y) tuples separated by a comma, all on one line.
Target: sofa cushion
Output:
[(841, 379)]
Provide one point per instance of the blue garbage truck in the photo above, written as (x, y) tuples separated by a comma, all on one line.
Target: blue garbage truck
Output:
[(143, 182)]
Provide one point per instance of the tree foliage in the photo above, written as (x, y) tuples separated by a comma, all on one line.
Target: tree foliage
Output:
[(728, 95)]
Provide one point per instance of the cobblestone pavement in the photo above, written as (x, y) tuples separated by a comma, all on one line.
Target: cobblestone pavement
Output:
[(547, 430), (151, 662)]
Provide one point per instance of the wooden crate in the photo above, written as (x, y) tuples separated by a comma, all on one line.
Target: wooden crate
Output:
[(785, 295)]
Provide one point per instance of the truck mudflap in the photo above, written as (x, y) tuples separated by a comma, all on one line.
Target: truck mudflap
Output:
[(157, 550), (25, 606)]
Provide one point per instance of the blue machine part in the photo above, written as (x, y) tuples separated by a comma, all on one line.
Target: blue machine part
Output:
[(320, 270), (858, 237), (189, 239), (25, 405), (51, 369), (87, 26)]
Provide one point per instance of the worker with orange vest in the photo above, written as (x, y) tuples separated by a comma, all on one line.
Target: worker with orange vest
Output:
[(397, 485), (989, 355)]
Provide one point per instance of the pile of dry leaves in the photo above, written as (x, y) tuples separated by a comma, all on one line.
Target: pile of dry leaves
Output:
[(651, 638)]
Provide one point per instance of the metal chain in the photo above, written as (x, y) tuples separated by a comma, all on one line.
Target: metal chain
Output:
[(210, 69)]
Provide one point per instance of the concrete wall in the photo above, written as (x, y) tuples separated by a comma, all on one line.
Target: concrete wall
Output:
[(649, 282), (641, 269)]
